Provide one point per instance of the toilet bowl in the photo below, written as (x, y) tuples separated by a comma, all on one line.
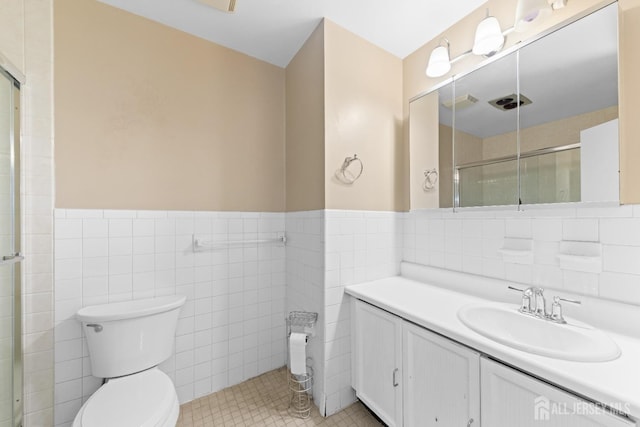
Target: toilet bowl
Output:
[(126, 342)]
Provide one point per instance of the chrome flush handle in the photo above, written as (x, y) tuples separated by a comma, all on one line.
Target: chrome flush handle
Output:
[(96, 327)]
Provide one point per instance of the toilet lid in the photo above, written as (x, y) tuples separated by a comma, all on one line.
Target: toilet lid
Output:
[(140, 400)]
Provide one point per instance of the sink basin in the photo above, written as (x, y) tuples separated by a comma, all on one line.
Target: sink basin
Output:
[(575, 341)]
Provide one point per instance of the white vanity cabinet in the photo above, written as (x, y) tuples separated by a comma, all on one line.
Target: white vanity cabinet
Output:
[(441, 381), (410, 376), (511, 398), (377, 361)]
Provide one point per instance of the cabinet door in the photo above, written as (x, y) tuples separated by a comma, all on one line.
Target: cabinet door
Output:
[(441, 381), (377, 359), (511, 398)]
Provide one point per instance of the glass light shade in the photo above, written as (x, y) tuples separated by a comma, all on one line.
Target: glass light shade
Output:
[(439, 63), (489, 38), (530, 11)]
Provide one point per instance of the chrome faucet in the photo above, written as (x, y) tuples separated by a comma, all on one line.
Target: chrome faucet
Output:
[(534, 304), (540, 307)]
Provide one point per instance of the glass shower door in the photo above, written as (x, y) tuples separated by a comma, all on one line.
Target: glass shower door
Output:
[(10, 258)]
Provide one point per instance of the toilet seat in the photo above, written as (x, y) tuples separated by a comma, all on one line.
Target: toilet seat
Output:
[(145, 399)]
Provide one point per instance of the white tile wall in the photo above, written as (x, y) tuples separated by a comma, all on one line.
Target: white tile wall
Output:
[(233, 328), (359, 246), (326, 251), (431, 238), (36, 37), (305, 283), (230, 329)]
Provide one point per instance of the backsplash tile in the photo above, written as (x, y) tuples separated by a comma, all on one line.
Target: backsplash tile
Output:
[(616, 228)]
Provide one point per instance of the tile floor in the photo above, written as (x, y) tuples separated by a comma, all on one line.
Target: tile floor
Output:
[(264, 401)]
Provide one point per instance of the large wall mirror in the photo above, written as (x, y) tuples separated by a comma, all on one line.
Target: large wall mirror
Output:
[(538, 125)]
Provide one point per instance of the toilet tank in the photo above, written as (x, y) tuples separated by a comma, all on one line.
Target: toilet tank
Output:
[(130, 336)]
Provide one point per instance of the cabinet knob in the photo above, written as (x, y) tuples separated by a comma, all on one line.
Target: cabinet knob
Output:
[(470, 422), (395, 379)]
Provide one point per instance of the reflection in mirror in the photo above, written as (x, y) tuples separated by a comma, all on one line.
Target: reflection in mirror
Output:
[(568, 151), (431, 151), (538, 125), (446, 96), (485, 140), (423, 146)]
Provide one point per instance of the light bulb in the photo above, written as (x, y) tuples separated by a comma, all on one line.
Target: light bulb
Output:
[(489, 38), (439, 63), (530, 11)]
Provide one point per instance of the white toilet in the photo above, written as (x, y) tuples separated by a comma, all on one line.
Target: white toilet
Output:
[(127, 340)]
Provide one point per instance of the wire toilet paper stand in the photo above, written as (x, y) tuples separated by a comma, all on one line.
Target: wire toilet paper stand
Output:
[(300, 385)]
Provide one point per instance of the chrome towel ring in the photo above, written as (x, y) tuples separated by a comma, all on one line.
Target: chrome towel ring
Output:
[(349, 175), (430, 179)]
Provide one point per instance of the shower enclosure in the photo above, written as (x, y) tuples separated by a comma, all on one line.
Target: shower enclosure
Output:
[(10, 257)]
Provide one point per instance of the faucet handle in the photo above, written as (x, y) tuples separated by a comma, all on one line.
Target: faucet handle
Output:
[(572, 301), (525, 306), (556, 309), (527, 291)]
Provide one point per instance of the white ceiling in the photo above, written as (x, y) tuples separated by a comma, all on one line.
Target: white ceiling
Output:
[(274, 30)]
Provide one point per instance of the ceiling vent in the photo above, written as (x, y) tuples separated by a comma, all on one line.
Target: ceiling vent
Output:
[(223, 5), (461, 102), (509, 102)]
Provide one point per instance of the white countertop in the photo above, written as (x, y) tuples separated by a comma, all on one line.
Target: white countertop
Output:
[(615, 383)]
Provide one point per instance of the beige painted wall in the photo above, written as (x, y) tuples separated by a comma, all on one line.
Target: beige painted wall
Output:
[(629, 100), (461, 37), (363, 116), (148, 117), (305, 126)]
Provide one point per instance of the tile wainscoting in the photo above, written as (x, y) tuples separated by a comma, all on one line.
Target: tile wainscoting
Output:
[(359, 246), (326, 251), (305, 283), (232, 327)]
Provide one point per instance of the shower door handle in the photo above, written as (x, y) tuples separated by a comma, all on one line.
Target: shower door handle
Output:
[(11, 259)]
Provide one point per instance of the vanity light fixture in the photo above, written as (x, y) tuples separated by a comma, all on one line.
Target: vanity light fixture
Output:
[(489, 38), (439, 61), (223, 5), (558, 4), (529, 12)]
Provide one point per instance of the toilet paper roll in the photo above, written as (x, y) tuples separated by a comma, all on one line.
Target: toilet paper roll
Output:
[(297, 353)]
